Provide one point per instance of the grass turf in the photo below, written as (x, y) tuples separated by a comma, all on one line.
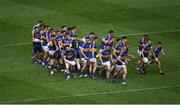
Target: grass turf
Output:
[(24, 82)]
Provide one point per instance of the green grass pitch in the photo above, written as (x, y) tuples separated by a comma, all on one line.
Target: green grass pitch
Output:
[(24, 82)]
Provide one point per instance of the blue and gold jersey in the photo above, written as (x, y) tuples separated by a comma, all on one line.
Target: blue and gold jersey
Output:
[(106, 55), (86, 49), (45, 42), (146, 49), (69, 54), (121, 58), (58, 40), (156, 52), (141, 44), (66, 42), (71, 34), (106, 38)]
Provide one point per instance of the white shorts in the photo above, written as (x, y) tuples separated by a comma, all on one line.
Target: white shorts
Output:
[(107, 64), (78, 60), (70, 62), (139, 52), (145, 60), (51, 52), (93, 60), (45, 48), (120, 67)]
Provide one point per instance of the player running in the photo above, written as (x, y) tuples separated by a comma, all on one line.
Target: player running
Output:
[(155, 54), (144, 57), (121, 65)]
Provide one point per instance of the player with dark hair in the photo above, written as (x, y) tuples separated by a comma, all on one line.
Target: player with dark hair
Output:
[(106, 59), (121, 68), (75, 46), (106, 39), (69, 59), (72, 31), (37, 48), (93, 60), (85, 49), (144, 56), (155, 54)]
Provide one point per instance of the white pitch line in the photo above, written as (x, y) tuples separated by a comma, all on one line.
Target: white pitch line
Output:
[(91, 94), (19, 44), (152, 33)]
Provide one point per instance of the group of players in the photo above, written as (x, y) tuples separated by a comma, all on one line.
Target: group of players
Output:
[(63, 50)]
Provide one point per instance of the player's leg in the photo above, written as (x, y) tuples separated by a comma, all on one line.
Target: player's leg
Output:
[(94, 68), (124, 69), (67, 71), (102, 72), (52, 66), (158, 63), (84, 66), (108, 72), (90, 69)]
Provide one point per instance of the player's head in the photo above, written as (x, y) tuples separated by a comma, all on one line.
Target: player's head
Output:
[(74, 36), (118, 39), (124, 38), (63, 32), (40, 22), (74, 28), (95, 39), (87, 38), (159, 44), (91, 33), (52, 37), (145, 35), (149, 41), (67, 36), (64, 28), (107, 46), (111, 32)]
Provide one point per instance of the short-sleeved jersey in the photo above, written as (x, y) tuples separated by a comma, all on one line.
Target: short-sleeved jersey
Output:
[(36, 37), (121, 58), (156, 51), (71, 33), (69, 54), (86, 49), (141, 44), (105, 55), (106, 38), (66, 42), (45, 42), (58, 40), (146, 50)]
